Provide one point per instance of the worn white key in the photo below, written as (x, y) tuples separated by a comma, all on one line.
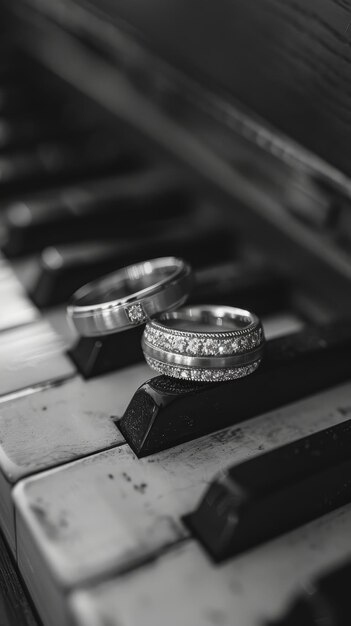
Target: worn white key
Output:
[(16, 309), (64, 327), (31, 355), (111, 511), (184, 587), (58, 425)]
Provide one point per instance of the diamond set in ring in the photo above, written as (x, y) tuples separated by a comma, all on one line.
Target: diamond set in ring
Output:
[(203, 344), (202, 374), (135, 313)]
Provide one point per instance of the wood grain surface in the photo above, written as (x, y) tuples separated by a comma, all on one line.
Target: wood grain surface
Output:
[(15, 607)]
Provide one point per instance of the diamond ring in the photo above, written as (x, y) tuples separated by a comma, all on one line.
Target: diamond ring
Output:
[(204, 343), (129, 296)]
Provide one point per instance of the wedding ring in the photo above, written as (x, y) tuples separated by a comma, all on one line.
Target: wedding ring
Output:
[(129, 296), (204, 343)]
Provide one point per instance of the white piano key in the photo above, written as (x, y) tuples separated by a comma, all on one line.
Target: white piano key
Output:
[(112, 511), (58, 425), (16, 308), (63, 326), (9, 280), (31, 355), (26, 271), (184, 587)]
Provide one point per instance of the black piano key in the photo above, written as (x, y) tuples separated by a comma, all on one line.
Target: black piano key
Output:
[(63, 270), (94, 356), (110, 206), (14, 99), (242, 284), (325, 601), (24, 132), (48, 163), (12, 70), (275, 492), (165, 412)]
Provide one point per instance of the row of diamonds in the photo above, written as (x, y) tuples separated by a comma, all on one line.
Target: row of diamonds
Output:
[(202, 375), (203, 345)]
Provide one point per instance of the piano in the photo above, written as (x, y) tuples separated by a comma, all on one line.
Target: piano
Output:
[(220, 134)]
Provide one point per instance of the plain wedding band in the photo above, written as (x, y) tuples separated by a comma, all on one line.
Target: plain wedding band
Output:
[(129, 296)]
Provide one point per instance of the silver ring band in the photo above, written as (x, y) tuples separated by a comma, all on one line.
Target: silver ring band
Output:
[(129, 296), (204, 343)]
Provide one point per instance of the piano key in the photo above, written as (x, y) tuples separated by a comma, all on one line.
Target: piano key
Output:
[(109, 206), (94, 356), (181, 586), (62, 270), (12, 71), (26, 131), (48, 163), (14, 98), (8, 279), (282, 323), (59, 424), (16, 308), (266, 496), (242, 284), (172, 411), (324, 600), (108, 513), (31, 356), (59, 321)]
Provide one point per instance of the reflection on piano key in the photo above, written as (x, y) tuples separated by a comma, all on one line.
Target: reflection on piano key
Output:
[(165, 412), (31, 356), (282, 323), (57, 425), (273, 493), (110, 512), (183, 587)]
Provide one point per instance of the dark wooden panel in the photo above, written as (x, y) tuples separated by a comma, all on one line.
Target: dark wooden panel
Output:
[(289, 61)]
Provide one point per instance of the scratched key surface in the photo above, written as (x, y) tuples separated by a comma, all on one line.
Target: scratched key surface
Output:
[(29, 356), (57, 425), (183, 587), (111, 512)]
